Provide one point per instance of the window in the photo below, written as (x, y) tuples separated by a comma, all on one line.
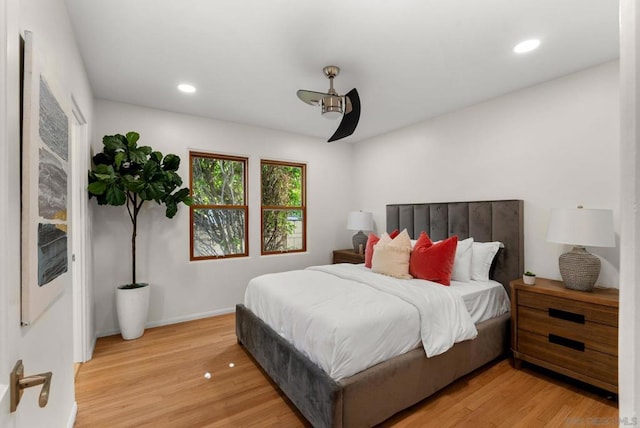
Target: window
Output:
[(284, 213), (219, 212)]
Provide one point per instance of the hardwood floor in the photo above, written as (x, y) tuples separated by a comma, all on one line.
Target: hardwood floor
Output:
[(158, 381)]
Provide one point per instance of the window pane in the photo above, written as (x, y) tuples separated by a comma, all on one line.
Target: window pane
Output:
[(218, 232), (217, 181), (282, 230), (281, 185)]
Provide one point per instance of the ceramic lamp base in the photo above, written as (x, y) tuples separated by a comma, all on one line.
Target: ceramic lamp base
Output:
[(579, 269), (359, 242)]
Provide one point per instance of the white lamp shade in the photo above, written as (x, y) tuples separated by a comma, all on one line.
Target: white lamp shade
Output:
[(359, 220), (583, 227)]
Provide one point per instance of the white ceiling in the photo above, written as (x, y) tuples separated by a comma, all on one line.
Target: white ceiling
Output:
[(409, 59)]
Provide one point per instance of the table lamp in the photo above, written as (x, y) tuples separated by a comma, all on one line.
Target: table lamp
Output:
[(581, 227), (359, 220)]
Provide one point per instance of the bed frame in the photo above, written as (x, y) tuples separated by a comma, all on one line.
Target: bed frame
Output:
[(373, 395)]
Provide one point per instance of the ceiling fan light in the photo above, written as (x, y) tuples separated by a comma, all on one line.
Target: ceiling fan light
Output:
[(331, 114), (332, 107)]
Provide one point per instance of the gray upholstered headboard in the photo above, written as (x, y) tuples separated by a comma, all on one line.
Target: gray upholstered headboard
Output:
[(484, 221)]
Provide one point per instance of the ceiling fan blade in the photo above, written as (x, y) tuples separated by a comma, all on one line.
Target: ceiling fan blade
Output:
[(311, 97), (350, 118)]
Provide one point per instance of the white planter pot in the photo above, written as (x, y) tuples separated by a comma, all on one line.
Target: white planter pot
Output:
[(132, 306), (529, 280)]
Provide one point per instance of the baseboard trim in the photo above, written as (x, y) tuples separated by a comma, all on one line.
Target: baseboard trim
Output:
[(175, 320), (73, 415), (92, 347)]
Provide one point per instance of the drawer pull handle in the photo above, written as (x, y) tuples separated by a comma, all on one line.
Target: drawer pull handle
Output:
[(567, 316), (563, 341)]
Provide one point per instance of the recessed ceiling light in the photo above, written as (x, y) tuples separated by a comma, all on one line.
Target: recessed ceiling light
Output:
[(526, 46), (185, 87)]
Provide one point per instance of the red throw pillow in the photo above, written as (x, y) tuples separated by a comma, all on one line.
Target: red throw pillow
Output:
[(423, 240), (433, 262), (368, 251), (371, 241)]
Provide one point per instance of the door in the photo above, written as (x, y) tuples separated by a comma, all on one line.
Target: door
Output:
[(9, 209), (80, 261)]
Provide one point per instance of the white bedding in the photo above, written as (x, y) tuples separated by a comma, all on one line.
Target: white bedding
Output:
[(346, 318), (484, 300)]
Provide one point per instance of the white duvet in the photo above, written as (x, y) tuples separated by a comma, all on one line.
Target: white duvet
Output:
[(346, 318)]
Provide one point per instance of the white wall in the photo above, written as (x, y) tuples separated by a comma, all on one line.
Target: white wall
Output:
[(46, 345), (552, 145), (182, 289)]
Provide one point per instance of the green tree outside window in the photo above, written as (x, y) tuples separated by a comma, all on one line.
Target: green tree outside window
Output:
[(219, 210), (283, 207)]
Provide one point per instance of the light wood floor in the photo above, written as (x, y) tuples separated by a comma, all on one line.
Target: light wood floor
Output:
[(158, 381)]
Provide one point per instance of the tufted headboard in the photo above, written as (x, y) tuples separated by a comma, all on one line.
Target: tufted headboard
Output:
[(484, 221)]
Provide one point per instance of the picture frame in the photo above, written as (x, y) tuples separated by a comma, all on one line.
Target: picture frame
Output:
[(44, 188)]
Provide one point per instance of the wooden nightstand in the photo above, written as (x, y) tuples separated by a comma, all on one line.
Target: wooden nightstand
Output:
[(347, 256), (571, 332)]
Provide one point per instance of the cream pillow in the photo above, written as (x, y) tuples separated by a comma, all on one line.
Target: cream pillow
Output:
[(462, 263), (391, 256)]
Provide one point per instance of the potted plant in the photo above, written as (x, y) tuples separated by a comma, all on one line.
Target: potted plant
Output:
[(529, 278), (127, 174)]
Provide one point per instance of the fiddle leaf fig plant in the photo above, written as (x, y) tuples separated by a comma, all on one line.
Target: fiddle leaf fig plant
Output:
[(127, 174)]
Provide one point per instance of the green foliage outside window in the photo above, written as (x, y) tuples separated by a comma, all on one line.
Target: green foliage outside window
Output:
[(283, 222), (217, 181), (219, 211)]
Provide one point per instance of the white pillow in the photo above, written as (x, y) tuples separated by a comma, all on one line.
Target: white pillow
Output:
[(462, 263), (391, 257), (481, 259)]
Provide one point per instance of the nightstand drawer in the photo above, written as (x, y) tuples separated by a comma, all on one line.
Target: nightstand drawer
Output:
[(562, 352), (579, 310), (595, 336)]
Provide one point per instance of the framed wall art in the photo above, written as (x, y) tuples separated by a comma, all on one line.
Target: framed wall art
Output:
[(45, 188)]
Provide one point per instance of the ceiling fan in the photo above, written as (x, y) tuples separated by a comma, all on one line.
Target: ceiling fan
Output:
[(334, 105)]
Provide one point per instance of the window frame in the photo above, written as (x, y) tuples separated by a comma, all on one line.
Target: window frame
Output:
[(245, 207), (302, 208)]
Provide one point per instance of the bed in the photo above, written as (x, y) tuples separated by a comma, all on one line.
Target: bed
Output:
[(372, 395)]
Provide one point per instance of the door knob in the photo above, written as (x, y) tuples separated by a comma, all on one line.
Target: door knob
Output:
[(19, 383)]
